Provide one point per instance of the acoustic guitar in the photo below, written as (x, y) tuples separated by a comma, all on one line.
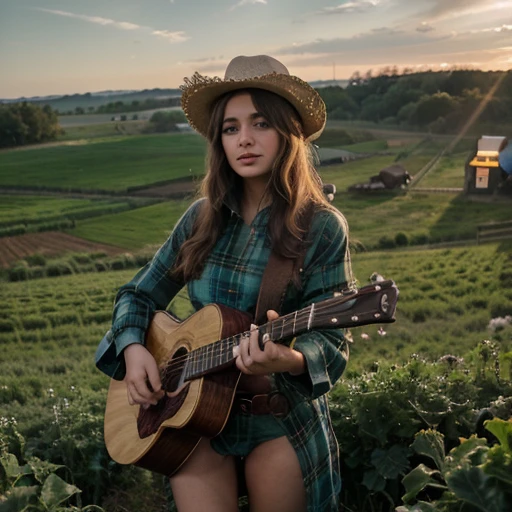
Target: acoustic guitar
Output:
[(195, 358)]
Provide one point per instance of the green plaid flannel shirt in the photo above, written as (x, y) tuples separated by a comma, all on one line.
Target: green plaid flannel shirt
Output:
[(232, 276)]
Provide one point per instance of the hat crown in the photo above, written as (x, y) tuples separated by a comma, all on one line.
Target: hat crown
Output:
[(242, 67)]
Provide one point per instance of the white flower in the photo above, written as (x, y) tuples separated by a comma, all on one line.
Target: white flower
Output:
[(365, 336), (381, 331)]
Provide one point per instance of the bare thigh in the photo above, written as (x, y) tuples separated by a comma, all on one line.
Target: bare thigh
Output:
[(206, 482), (274, 478)]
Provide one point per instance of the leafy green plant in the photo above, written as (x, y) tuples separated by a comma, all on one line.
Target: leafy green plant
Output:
[(472, 476), (34, 484), (377, 414)]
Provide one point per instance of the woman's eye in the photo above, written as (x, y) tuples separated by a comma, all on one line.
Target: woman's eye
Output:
[(262, 124), (229, 129)]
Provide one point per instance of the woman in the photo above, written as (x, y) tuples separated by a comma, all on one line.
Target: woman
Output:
[(257, 191)]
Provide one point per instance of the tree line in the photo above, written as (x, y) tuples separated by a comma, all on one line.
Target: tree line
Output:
[(121, 107), (438, 101), (441, 101), (26, 123)]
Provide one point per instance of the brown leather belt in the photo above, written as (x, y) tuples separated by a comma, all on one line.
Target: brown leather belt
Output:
[(274, 403)]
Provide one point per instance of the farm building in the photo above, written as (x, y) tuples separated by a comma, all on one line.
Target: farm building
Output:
[(389, 178), (489, 168), (330, 156)]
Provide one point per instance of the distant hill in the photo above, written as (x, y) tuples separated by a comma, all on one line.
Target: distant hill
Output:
[(65, 103), (318, 84), (96, 99)]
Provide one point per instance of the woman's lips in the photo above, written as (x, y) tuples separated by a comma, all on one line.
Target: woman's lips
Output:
[(248, 159)]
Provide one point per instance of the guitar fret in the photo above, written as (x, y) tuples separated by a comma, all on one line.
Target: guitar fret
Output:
[(214, 355), (310, 319)]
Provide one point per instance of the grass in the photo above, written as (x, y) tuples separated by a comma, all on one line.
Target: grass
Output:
[(30, 209), (134, 229), (449, 171), (110, 129), (113, 164), (51, 326)]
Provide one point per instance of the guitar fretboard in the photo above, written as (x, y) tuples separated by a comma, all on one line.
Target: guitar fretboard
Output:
[(219, 354)]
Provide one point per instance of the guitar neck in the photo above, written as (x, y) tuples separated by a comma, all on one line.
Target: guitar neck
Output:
[(371, 304)]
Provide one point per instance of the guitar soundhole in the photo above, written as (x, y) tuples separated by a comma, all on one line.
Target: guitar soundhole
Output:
[(149, 420)]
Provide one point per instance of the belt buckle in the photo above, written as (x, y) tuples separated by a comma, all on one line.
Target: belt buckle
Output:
[(277, 400), (245, 405)]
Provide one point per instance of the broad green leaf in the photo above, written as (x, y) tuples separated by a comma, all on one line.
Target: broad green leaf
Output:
[(430, 443), (474, 486), (19, 497), (55, 491), (419, 478), (373, 481), (42, 468), (499, 464), (391, 463), (503, 431), (11, 467), (471, 452)]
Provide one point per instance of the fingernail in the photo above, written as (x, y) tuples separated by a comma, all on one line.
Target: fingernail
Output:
[(145, 406), (236, 351)]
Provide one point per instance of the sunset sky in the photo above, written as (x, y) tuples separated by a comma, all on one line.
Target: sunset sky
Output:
[(76, 46)]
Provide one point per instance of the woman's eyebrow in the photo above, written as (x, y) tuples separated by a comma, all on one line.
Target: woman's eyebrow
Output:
[(253, 116)]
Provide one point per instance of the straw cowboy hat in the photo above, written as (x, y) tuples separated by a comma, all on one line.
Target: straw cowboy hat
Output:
[(261, 72)]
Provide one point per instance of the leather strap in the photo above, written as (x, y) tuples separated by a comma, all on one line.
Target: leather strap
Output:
[(279, 272), (270, 403)]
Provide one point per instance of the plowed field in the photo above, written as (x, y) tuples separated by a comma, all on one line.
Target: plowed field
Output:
[(51, 243)]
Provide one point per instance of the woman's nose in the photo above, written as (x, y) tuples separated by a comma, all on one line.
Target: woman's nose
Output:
[(245, 136)]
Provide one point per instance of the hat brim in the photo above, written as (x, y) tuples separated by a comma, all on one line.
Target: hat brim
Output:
[(200, 92)]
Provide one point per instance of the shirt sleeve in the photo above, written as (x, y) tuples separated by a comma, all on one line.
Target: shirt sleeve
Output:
[(151, 289), (327, 269)]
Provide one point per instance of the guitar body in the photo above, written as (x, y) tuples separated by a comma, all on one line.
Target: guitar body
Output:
[(162, 437)]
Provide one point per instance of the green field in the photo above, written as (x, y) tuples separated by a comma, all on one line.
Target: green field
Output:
[(112, 164), (134, 229), (449, 171), (450, 297), (110, 129), (32, 209), (447, 298)]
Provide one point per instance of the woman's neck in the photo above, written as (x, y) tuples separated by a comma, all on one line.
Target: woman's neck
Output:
[(254, 198)]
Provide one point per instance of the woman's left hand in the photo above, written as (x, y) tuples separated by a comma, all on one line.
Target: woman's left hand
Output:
[(252, 360)]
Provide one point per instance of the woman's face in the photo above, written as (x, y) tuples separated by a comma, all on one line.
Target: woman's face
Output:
[(250, 144)]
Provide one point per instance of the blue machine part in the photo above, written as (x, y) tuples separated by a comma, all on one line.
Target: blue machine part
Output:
[(505, 158)]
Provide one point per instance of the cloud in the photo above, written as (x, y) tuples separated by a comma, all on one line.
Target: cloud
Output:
[(172, 37), (125, 25), (354, 6), (424, 27), (247, 2), (440, 10), (386, 46)]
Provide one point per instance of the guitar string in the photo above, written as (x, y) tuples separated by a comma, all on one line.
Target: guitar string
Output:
[(220, 345), (197, 356)]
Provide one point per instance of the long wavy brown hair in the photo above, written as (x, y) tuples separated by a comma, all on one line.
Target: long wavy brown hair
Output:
[(293, 185)]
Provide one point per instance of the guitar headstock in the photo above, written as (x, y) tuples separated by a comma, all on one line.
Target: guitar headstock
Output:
[(371, 304)]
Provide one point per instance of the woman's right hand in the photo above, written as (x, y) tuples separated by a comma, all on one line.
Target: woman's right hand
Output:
[(141, 369)]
